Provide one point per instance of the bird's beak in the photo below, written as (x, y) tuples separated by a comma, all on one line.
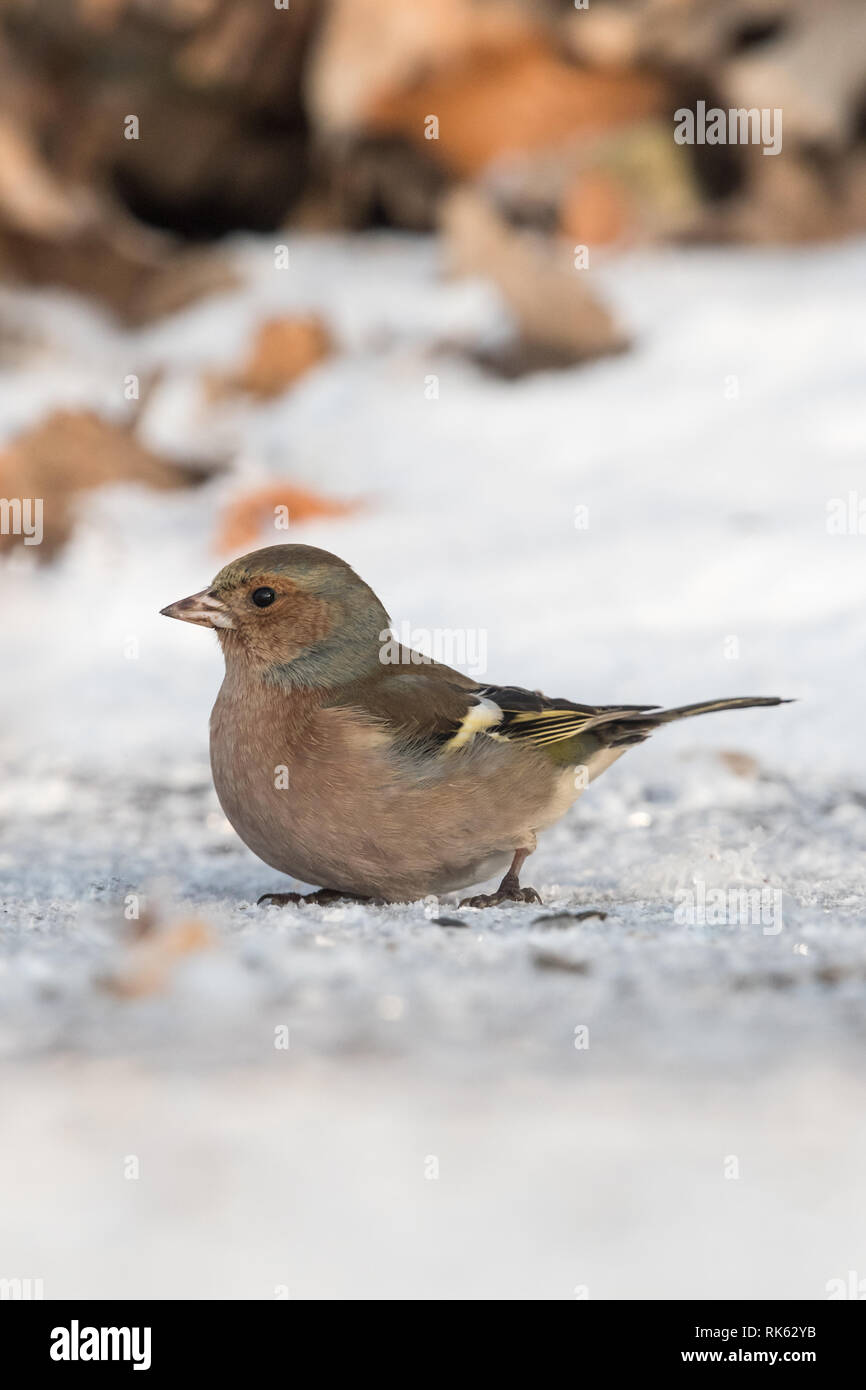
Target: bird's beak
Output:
[(204, 608)]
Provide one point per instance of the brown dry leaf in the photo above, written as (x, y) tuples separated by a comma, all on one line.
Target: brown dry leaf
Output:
[(178, 279), (140, 274), (367, 49), (100, 15), (503, 103), (215, 49), (282, 351), (557, 314), (247, 516), (602, 37), (152, 959), (596, 210), (551, 960), (72, 452), (32, 200), (791, 201), (741, 764)]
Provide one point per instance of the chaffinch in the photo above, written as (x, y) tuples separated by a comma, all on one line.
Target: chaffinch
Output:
[(344, 759)]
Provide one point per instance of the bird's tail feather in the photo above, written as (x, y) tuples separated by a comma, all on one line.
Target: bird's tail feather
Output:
[(633, 728), (667, 716)]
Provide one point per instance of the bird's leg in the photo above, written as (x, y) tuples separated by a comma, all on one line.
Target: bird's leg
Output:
[(323, 897), (509, 890)]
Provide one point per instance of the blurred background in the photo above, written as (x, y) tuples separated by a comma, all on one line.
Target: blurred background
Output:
[(435, 286)]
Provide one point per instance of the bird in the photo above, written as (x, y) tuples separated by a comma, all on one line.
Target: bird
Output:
[(345, 759)]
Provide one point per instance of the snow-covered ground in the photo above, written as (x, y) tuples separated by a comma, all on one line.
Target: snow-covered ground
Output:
[(641, 1104)]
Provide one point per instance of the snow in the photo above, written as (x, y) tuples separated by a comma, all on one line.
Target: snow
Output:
[(706, 459)]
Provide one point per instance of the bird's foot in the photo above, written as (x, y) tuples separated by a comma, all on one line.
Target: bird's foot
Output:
[(505, 893), (323, 897)]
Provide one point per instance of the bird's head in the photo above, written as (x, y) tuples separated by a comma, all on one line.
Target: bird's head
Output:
[(293, 614)]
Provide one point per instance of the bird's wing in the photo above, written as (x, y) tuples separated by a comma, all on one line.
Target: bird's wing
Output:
[(436, 706), (418, 700), (529, 716), (439, 710), (570, 731)]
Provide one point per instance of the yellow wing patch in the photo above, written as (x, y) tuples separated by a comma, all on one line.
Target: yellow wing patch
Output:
[(480, 719)]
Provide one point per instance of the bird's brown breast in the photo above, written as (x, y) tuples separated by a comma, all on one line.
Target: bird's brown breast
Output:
[(323, 794)]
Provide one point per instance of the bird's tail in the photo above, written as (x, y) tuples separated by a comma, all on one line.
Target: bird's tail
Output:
[(634, 727)]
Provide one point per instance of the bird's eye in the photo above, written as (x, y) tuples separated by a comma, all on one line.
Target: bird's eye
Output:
[(262, 598)]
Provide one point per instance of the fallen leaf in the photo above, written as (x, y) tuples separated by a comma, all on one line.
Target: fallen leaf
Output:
[(74, 451), (548, 960), (565, 919), (247, 516), (151, 960), (282, 351), (741, 764)]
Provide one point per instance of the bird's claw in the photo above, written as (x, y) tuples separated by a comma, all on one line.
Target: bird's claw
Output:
[(503, 895), (323, 897)]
